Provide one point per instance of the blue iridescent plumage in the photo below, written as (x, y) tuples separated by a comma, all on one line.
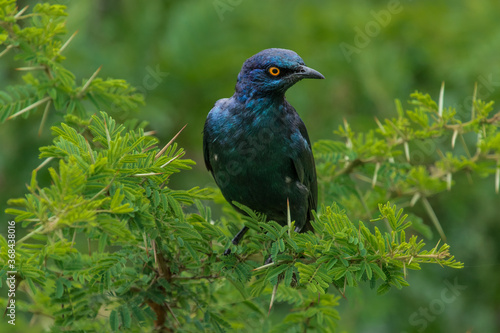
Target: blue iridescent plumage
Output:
[(257, 147)]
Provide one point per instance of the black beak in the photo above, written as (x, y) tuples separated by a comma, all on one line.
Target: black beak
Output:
[(304, 72)]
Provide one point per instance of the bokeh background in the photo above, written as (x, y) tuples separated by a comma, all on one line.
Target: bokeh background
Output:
[(184, 55)]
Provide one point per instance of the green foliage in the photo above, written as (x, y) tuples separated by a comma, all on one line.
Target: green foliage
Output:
[(111, 247), (35, 39), (400, 162), (109, 186), (146, 262)]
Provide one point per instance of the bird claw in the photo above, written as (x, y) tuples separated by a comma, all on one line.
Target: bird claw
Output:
[(268, 260)]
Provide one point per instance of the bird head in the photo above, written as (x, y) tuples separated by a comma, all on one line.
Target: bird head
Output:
[(272, 72)]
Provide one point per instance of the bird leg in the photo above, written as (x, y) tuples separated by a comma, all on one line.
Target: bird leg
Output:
[(268, 260), (236, 240)]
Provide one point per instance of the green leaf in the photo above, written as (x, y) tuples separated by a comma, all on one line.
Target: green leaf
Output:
[(275, 271), (378, 271), (126, 317), (113, 320), (59, 289), (383, 288), (103, 241)]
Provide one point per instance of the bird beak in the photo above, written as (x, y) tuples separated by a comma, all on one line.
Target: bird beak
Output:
[(304, 72)]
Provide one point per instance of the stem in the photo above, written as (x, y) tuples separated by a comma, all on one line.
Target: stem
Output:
[(208, 277), (37, 230)]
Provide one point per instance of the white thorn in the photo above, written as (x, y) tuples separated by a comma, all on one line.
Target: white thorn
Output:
[(346, 161), (346, 127), (375, 175), (172, 159), (379, 124), (89, 81), (44, 163), (415, 198), (441, 96), (433, 217), (407, 151), (29, 107), (473, 101), (273, 296), (454, 139), (479, 141), (20, 12), (169, 143), (288, 219), (497, 178)]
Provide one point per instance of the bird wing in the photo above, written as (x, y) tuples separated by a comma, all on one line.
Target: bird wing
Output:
[(206, 139), (306, 171), (210, 132)]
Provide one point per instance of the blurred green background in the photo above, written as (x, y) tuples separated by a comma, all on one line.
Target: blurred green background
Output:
[(184, 55)]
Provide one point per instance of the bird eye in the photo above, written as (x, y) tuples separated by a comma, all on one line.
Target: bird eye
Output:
[(274, 71)]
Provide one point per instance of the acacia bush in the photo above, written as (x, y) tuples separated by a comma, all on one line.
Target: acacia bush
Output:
[(109, 246)]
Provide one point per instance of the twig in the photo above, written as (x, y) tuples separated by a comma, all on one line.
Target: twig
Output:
[(101, 191), (172, 313), (441, 255), (350, 166)]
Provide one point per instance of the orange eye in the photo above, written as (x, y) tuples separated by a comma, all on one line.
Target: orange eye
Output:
[(274, 71)]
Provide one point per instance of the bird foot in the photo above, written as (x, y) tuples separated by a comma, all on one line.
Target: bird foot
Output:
[(268, 260)]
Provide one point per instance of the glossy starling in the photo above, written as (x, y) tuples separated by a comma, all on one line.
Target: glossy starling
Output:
[(257, 147)]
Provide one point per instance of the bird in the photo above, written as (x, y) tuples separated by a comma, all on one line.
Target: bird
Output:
[(257, 147)]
